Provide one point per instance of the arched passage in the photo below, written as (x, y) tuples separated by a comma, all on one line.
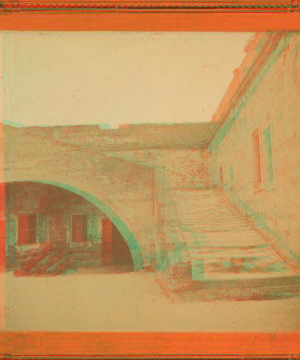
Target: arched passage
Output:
[(119, 224)]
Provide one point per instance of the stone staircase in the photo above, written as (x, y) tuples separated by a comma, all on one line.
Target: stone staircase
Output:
[(32, 260), (225, 250), (16, 260), (57, 261)]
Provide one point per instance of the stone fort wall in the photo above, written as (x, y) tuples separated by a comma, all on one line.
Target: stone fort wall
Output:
[(270, 107)]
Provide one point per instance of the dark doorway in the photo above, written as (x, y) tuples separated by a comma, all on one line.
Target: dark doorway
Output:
[(115, 250), (79, 228), (120, 250)]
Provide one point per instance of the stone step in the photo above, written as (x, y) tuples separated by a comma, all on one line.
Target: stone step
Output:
[(200, 229), (214, 224), (228, 238), (85, 263), (44, 263), (212, 217), (227, 251), (54, 269)]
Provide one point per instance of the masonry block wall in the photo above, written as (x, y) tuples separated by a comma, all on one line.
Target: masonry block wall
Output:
[(139, 136), (123, 190), (258, 153), (184, 168), (181, 149)]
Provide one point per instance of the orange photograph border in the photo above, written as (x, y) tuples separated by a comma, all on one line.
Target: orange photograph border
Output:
[(148, 16)]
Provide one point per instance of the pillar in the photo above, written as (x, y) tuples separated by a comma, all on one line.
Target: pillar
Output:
[(11, 236), (99, 228), (41, 229), (92, 228), (2, 227)]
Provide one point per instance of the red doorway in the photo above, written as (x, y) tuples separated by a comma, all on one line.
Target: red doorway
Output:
[(79, 228), (26, 229)]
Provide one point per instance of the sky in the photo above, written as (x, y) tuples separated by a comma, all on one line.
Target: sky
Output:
[(66, 78)]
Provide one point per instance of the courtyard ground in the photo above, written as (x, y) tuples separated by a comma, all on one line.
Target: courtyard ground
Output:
[(132, 302)]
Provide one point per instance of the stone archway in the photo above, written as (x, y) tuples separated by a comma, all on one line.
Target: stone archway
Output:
[(133, 246)]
